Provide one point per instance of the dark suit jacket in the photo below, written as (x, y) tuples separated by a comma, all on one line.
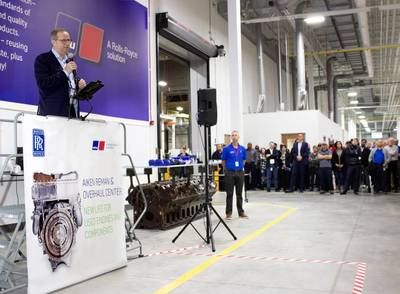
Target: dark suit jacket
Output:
[(275, 156), (304, 152), (364, 156), (53, 86)]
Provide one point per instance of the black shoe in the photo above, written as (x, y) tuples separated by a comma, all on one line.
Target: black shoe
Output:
[(243, 215), (301, 191), (277, 190), (268, 190), (289, 191), (355, 192), (343, 193), (331, 192), (322, 192)]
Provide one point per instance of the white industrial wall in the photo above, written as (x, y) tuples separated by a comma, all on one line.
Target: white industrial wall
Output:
[(261, 128), (196, 15)]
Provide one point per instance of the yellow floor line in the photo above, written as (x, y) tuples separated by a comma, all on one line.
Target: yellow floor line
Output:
[(279, 205), (209, 262)]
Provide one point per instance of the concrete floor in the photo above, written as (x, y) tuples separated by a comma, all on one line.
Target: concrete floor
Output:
[(331, 235)]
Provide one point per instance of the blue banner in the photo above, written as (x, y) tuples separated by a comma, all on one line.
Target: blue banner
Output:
[(110, 43)]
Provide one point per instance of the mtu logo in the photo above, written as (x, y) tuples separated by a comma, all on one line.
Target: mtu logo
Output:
[(98, 145), (38, 142)]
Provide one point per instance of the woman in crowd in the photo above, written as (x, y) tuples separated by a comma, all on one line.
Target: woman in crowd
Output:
[(338, 165), (263, 167), (284, 168)]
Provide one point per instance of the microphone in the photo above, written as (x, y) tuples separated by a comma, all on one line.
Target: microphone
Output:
[(69, 59)]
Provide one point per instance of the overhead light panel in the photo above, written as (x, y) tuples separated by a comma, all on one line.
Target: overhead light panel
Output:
[(358, 112), (162, 83), (179, 108), (364, 123), (352, 94), (353, 101), (368, 130), (314, 20), (361, 116), (377, 135)]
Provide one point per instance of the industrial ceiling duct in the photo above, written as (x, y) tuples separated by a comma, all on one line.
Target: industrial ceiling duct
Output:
[(186, 38)]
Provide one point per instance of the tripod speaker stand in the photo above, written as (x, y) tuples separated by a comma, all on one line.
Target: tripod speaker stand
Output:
[(207, 118)]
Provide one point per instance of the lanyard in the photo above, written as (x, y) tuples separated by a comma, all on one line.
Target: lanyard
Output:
[(236, 151)]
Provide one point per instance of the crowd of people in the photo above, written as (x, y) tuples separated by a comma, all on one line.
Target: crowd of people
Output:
[(326, 167)]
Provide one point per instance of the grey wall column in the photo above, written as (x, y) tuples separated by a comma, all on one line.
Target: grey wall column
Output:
[(235, 65), (310, 74), (261, 74), (281, 106), (301, 92), (294, 84), (329, 83), (288, 100), (335, 101), (316, 90)]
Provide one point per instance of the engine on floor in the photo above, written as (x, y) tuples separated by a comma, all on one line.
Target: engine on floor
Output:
[(170, 203)]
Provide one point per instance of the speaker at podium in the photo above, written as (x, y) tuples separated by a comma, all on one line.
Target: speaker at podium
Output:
[(207, 107)]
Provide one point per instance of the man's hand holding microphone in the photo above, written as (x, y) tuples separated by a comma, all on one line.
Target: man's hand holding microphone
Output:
[(71, 67)]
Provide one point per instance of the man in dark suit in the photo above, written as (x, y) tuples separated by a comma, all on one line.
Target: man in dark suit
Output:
[(299, 155), (56, 78)]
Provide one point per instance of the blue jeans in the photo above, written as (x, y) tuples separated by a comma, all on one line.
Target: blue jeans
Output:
[(274, 173), (325, 179), (339, 178)]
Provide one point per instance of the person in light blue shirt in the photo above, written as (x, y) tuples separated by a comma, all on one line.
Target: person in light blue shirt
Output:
[(233, 157)]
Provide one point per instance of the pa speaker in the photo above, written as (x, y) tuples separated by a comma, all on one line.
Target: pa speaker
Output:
[(207, 107)]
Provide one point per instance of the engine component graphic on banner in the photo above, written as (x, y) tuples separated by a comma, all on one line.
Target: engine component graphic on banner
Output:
[(56, 215), (74, 200)]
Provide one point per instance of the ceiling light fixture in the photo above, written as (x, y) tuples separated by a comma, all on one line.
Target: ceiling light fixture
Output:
[(179, 108), (361, 116), (364, 123), (314, 19), (377, 135), (354, 102), (162, 83), (352, 94)]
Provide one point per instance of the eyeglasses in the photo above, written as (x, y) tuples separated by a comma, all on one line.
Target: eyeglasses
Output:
[(65, 40)]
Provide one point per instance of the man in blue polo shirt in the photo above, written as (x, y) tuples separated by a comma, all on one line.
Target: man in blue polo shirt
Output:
[(233, 157), (379, 159)]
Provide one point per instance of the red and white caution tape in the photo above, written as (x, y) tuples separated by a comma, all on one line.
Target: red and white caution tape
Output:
[(175, 251), (266, 258), (358, 287)]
